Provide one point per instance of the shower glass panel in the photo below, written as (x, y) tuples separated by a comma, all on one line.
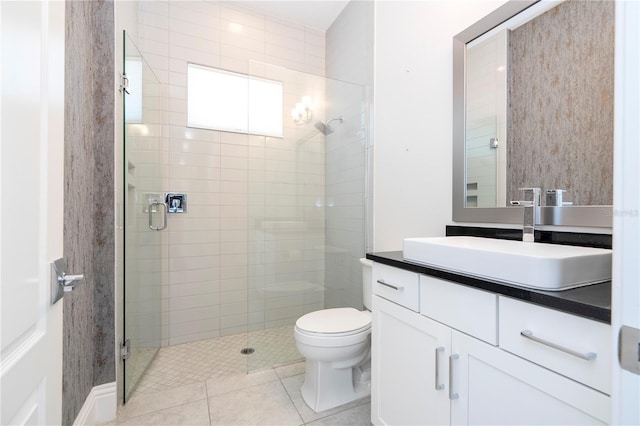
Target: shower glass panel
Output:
[(305, 210), (144, 260), (486, 133)]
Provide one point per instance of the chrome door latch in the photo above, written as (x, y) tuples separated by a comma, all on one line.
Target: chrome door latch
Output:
[(629, 349), (61, 282)]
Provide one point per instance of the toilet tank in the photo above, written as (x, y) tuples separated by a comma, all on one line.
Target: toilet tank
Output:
[(367, 284)]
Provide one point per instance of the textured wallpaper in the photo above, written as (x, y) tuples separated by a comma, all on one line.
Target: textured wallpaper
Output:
[(89, 334), (560, 124)]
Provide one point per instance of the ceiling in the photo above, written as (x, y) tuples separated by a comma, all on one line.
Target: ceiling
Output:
[(318, 14)]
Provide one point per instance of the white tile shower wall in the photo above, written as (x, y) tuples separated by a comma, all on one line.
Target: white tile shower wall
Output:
[(251, 220), (349, 58)]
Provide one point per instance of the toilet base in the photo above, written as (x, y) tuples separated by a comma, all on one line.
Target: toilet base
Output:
[(327, 387)]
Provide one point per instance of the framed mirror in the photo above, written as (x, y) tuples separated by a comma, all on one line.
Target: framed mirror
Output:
[(533, 107)]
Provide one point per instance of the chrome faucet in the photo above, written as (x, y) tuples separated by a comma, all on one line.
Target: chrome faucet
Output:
[(531, 203)]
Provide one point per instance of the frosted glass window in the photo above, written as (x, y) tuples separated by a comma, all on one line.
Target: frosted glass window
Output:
[(133, 106), (232, 102)]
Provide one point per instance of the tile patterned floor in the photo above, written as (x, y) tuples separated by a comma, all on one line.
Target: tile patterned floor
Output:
[(273, 346), (197, 361), (137, 362), (205, 383)]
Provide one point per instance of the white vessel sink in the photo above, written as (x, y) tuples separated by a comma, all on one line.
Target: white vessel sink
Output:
[(542, 266)]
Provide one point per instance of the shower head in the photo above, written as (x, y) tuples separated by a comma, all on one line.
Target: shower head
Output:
[(325, 128)]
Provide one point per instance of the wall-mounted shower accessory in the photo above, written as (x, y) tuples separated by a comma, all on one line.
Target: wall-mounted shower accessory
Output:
[(176, 203), (325, 128)]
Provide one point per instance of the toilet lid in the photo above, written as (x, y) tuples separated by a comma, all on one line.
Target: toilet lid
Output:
[(337, 320)]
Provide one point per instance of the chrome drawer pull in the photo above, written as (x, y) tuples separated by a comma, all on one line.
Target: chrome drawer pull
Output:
[(589, 356), (452, 395), (439, 386), (399, 288)]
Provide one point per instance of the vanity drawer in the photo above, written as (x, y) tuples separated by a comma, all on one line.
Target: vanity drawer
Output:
[(558, 341), (397, 285), (472, 311)]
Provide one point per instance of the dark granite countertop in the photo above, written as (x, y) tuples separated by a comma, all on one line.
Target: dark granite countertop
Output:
[(593, 301)]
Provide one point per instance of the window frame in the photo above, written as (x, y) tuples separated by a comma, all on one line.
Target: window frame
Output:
[(247, 127)]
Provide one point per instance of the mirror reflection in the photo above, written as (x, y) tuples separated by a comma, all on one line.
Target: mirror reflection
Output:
[(539, 106)]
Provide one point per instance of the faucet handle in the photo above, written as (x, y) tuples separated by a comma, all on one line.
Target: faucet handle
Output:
[(554, 197), (532, 196)]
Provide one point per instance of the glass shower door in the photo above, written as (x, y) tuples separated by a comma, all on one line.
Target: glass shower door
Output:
[(144, 215), (306, 210)]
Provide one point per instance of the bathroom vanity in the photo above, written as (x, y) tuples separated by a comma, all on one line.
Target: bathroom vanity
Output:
[(454, 349), (459, 344)]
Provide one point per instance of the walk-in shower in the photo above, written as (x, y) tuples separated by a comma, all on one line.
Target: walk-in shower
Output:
[(275, 224)]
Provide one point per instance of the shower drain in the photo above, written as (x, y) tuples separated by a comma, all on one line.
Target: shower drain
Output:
[(247, 351)]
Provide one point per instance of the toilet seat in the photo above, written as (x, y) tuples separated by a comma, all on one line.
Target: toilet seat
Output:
[(336, 322)]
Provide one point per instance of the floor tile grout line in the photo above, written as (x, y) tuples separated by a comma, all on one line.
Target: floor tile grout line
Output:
[(206, 391), (291, 400), (122, 414), (128, 419)]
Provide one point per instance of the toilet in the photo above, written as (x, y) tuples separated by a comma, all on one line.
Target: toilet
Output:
[(337, 346)]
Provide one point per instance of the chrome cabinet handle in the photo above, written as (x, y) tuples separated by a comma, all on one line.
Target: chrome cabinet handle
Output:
[(398, 288), (589, 356), (439, 386), (452, 395), (164, 215)]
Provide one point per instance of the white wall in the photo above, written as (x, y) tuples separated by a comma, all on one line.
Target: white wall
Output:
[(413, 114)]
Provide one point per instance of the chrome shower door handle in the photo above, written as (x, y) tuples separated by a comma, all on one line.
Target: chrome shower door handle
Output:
[(164, 215)]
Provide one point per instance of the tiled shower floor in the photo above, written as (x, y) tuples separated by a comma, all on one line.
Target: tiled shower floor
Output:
[(206, 383), (198, 361)]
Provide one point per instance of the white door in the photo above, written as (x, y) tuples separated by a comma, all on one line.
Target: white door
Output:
[(409, 372), (494, 387), (625, 393), (31, 191)]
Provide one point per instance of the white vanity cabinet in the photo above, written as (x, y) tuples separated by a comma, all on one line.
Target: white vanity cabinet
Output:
[(493, 387), (445, 364), (409, 352), (410, 356)]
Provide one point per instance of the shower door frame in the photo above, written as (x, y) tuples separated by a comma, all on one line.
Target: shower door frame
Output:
[(147, 248)]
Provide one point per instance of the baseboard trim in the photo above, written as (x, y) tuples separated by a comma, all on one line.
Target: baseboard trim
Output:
[(99, 407)]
